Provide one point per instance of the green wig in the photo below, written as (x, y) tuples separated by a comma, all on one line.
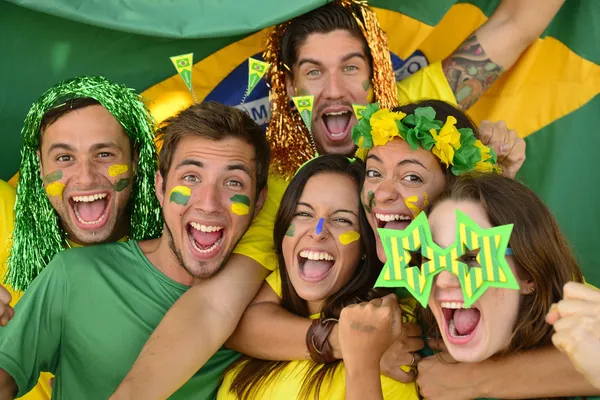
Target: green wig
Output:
[(37, 236)]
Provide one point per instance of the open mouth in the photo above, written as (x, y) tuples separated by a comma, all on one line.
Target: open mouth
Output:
[(90, 211), (337, 124), (314, 265), (460, 322), (205, 239), (393, 221)]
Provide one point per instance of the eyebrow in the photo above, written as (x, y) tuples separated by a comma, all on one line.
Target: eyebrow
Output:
[(63, 146), (200, 164), (109, 145), (344, 59), (401, 163)]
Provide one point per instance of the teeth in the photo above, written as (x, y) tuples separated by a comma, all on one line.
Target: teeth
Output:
[(337, 113), (452, 304), (316, 255), (211, 248), (88, 199), (205, 228), (392, 217)]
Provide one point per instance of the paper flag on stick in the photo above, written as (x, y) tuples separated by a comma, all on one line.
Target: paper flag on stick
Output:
[(183, 64), (256, 70), (304, 104), (358, 110)]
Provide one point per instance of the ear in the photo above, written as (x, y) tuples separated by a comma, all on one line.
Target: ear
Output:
[(262, 196), (289, 86), (158, 187), (39, 156), (134, 163), (527, 287)]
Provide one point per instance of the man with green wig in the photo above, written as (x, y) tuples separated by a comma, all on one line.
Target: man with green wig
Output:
[(86, 177)]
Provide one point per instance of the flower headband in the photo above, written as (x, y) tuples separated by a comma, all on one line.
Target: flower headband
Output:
[(458, 148)]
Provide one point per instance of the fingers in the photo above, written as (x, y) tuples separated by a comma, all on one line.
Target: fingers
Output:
[(398, 374), (553, 314), (411, 330), (577, 307), (437, 344), (486, 132), (388, 301), (580, 291), (8, 315), (5, 297)]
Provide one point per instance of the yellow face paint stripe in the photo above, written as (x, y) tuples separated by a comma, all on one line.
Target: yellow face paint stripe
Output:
[(117, 169), (349, 237)]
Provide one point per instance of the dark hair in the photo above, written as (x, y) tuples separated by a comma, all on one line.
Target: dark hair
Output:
[(214, 121), (442, 111), (255, 372), (64, 107), (325, 19), (541, 253)]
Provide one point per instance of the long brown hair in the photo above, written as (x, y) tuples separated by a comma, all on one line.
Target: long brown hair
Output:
[(254, 372), (541, 253)]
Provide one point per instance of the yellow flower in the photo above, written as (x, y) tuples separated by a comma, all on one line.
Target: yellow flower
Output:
[(384, 127), (446, 141), (485, 151), (483, 166)]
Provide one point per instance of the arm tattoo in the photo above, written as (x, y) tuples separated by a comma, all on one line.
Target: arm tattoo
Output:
[(470, 72)]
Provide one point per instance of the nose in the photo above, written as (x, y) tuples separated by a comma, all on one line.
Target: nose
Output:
[(386, 192), (86, 174), (446, 280), (334, 87), (318, 234), (207, 199)]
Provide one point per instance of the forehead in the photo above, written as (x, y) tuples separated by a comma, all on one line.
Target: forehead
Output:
[(216, 153), (442, 220), (84, 126), (330, 190), (331, 46), (399, 150)]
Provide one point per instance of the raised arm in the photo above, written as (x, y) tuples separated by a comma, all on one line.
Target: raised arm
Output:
[(536, 373), (495, 46), (269, 332), (192, 331)]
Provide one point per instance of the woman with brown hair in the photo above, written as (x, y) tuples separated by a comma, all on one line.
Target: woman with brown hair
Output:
[(327, 258), (502, 320)]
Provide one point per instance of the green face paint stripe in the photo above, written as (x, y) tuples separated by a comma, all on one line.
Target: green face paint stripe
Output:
[(121, 184), (54, 176), (179, 198), (291, 231), (302, 92), (240, 198), (366, 85)]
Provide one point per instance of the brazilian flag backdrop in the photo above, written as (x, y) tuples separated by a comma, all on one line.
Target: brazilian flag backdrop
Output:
[(550, 97)]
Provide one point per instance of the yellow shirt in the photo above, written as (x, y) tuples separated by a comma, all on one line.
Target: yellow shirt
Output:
[(428, 83), (288, 384)]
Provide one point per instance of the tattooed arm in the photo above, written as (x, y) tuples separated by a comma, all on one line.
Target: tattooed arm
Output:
[(495, 46)]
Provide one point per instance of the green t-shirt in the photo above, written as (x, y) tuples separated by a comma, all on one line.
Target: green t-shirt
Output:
[(86, 317)]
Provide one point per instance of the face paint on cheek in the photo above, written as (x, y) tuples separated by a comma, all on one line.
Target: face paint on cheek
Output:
[(366, 85), (319, 228), (122, 184), (54, 176), (117, 169), (301, 92), (411, 204), (426, 199), (291, 231), (240, 204), (370, 203), (180, 195), (55, 189), (349, 237)]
